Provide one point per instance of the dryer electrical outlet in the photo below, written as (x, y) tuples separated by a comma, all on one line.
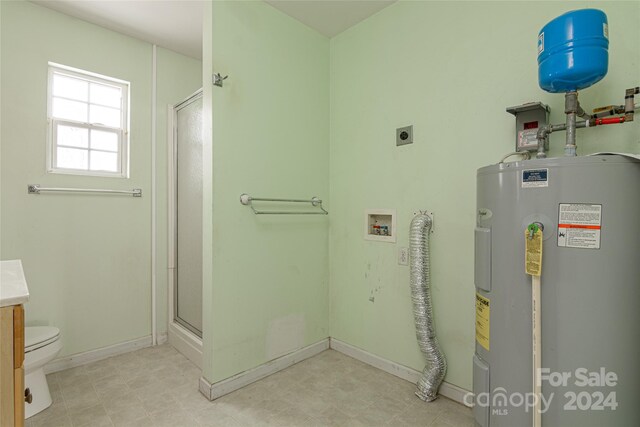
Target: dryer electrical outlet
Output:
[(404, 135)]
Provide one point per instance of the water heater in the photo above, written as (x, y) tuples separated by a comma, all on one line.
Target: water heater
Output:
[(590, 291), (557, 266)]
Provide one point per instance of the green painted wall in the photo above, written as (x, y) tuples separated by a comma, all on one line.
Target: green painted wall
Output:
[(178, 76), (207, 192), (450, 69), (268, 289), (299, 116), (87, 258)]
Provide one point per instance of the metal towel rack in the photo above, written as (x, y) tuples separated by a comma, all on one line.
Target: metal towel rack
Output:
[(36, 189), (247, 200)]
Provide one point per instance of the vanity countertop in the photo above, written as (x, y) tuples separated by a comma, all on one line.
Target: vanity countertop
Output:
[(13, 286)]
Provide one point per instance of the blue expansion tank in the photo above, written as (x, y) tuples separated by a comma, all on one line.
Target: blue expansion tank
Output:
[(573, 51)]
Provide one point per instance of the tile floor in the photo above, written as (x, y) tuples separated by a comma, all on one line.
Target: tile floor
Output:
[(158, 387)]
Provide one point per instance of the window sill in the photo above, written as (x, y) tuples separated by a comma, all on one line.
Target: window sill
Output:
[(86, 173)]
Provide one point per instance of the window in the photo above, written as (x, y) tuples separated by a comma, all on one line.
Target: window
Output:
[(88, 118)]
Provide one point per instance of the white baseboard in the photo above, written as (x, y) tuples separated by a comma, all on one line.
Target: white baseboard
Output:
[(162, 338), (449, 390), (186, 343), (79, 359), (455, 393), (219, 389)]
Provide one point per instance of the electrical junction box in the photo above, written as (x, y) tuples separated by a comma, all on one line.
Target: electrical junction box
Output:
[(529, 118)]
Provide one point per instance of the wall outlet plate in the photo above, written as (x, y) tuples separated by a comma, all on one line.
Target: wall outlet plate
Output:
[(403, 256), (404, 135)]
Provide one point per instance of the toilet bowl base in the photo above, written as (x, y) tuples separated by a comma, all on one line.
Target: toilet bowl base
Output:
[(36, 381)]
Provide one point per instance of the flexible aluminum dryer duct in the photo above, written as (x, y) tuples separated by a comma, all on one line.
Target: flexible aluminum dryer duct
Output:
[(436, 367)]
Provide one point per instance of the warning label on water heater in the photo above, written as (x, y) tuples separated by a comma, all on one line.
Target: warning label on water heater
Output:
[(483, 316), (579, 225)]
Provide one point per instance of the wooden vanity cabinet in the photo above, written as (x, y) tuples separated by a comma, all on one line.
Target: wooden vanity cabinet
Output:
[(12, 366)]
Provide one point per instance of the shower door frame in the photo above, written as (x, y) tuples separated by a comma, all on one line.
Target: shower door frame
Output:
[(180, 336)]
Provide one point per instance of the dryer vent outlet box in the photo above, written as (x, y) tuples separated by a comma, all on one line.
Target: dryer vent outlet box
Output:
[(380, 225)]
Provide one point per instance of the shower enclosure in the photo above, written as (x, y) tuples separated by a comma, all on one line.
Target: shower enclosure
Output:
[(185, 234)]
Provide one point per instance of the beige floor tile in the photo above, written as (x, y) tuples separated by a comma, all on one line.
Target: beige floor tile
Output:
[(291, 417), (73, 391), (56, 410), (101, 364), (404, 393), (139, 422), (94, 416), (456, 417), (418, 414), (81, 402), (110, 391), (191, 400), (125, 406), (56, 394), (350, 404), (52, 378), (159, 387), (68, 373), (173, 418), (215, 416), (108, 377), (72, 377), (54, 385), (176, 380), (155, 402), (338, 419), (381, 412), (128, 418), (101, 373), (52, 421)]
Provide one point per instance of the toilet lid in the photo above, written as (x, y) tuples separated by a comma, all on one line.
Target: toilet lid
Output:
[(39, 336)]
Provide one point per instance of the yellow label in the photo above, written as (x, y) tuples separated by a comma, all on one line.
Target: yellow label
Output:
[(483, 311), (533, 253)]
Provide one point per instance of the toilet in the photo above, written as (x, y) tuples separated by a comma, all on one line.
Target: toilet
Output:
[(41, 345)]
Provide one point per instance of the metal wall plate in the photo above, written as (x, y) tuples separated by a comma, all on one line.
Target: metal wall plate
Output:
[(404, 135)]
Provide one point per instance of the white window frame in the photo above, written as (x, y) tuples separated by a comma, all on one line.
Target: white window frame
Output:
[(122, 131)]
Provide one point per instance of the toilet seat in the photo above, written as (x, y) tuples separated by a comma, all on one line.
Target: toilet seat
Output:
[(36, 337)]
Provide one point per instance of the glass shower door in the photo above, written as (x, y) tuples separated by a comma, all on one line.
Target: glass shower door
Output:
[(188, 275)]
